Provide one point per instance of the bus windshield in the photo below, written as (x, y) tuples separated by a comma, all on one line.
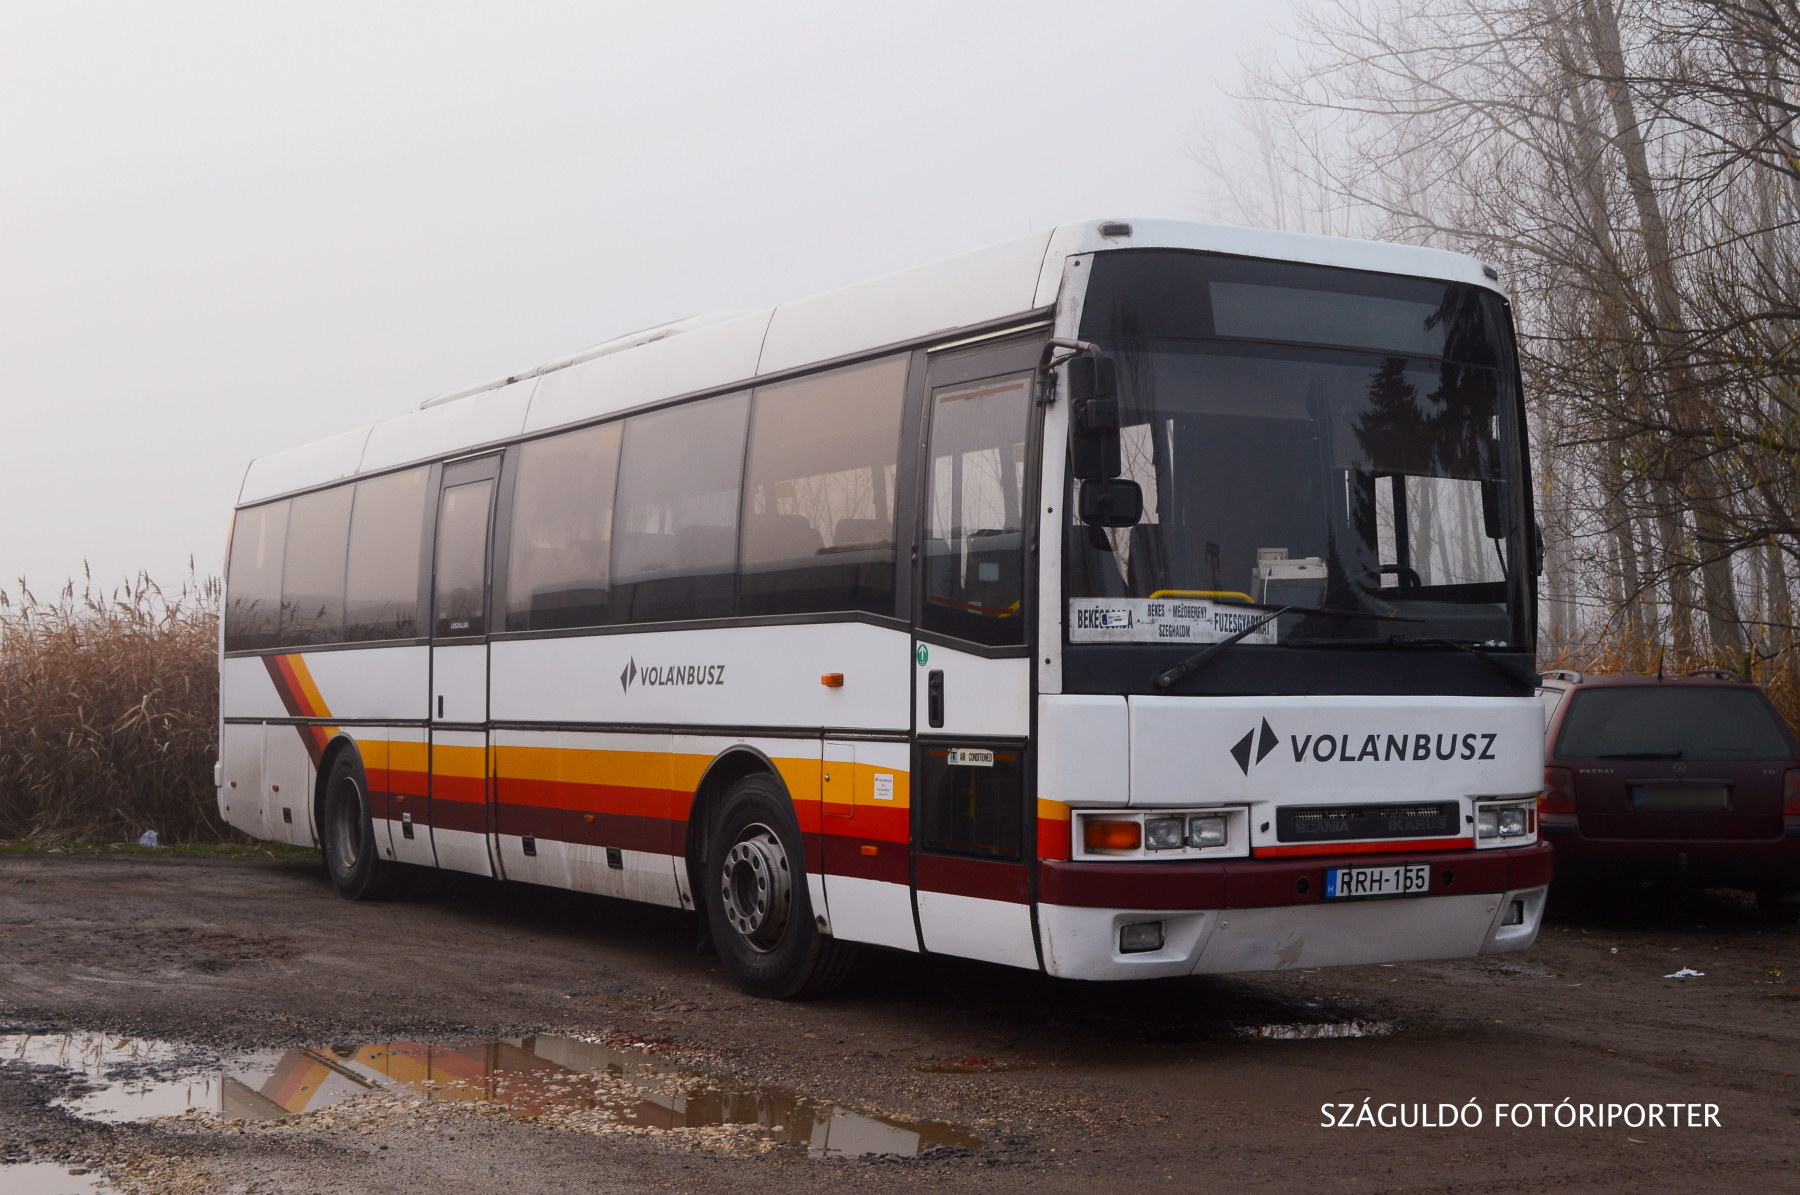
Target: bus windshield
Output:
[(1304, 437)]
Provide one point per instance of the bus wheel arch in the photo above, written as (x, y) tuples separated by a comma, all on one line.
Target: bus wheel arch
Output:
[(726, 769)]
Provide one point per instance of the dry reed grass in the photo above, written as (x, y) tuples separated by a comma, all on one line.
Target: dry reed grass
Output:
[(109, 714), (1775, 665)]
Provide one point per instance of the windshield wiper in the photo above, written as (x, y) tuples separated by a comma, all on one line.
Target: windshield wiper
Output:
[(1529, 679), (1644, 755), (1194, 663)]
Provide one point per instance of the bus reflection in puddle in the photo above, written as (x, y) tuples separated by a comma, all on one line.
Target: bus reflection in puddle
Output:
[(530, 1076)]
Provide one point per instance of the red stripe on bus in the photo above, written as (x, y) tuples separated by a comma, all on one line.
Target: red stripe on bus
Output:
[(988, 879), (851, 857)]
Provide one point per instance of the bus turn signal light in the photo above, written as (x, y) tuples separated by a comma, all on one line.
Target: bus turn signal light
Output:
[(832, 680), (1112, 836), (1559, 791)]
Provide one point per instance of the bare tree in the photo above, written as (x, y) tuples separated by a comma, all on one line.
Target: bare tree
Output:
[(1631, 168)]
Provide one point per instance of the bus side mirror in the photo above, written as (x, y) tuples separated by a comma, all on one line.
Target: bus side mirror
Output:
[(1094, 417), (1111, 502), (1496, 512)]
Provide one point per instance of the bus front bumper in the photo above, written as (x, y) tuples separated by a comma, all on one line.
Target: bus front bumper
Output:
[(1270, 915)]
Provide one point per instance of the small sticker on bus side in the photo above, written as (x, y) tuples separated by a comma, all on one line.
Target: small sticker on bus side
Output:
[(971, 757), (884, 786)]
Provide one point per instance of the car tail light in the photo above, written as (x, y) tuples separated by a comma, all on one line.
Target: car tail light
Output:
[(1112, 836), (1559, 790), (1790, 792)]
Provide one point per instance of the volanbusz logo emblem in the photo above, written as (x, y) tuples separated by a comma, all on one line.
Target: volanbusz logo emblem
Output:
[(1263, 746), (667, 675)]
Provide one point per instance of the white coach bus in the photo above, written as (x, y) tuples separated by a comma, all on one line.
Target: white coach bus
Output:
[(1129, 600)]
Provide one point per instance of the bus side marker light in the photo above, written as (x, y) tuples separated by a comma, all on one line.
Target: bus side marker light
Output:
[(870, 850), (587, 817), (1112, 836), (832, 680)]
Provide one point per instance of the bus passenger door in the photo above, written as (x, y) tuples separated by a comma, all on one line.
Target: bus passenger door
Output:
[(973, 850), (461, 570)]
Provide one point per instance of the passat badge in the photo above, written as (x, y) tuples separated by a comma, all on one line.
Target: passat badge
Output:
[(971, 757)]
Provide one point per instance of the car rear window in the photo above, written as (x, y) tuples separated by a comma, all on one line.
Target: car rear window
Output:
[(1673, 722)]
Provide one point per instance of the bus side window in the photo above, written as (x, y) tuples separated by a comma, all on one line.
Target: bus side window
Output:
[(974, 541), (312, 579), (253, 583), (381, 583), (560, 568), (674, 545), (818, 520)]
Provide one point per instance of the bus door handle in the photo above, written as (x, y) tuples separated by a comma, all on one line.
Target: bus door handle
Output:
[(934, 697)]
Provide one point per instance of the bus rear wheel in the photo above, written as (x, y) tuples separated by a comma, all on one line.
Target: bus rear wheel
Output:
[(757, 903), (352, 854)]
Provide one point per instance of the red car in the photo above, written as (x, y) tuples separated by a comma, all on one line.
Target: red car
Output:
[(1693, 779)]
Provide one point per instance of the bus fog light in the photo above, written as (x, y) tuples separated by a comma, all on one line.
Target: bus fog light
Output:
[(1487, 823), (1511, 821), (1162, 834), (1112, 836), (1140, 937), (1206, 831)]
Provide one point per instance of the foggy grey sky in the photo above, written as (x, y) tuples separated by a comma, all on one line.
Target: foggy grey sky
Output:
[(227, 229)]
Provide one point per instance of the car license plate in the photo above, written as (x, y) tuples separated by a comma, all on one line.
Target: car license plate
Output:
[(1352, 883)]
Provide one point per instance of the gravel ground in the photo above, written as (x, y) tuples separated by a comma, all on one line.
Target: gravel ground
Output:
[(1072, 1087)]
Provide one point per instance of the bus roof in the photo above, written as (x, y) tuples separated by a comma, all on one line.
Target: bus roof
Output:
[(1011, 279)]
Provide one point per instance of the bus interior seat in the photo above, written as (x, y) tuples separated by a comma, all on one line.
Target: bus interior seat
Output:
[(781, 537), (862, 533)]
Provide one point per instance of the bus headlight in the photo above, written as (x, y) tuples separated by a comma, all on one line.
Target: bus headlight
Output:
[(1504, 821), (1206, 831), (1162, 833)]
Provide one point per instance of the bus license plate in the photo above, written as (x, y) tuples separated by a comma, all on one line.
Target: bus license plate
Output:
[(1350, 883)]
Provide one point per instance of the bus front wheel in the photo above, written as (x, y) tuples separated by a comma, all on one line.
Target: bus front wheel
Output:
[(352, 853), (757, 902)]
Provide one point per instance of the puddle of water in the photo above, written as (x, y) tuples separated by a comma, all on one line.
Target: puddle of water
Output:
[(1312, 1032), (47, 1178), (531, 1076)]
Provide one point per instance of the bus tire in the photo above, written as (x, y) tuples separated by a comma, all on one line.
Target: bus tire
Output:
[(352, 853), (757, 904)]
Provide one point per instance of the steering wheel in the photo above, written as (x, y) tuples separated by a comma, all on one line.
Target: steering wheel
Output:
[(1409, 578)]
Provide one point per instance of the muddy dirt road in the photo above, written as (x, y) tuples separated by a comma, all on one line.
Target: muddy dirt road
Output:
[(994, 1080)]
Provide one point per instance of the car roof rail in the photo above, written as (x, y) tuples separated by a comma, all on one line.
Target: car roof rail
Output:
[(1568, 674), (1721, 673)]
